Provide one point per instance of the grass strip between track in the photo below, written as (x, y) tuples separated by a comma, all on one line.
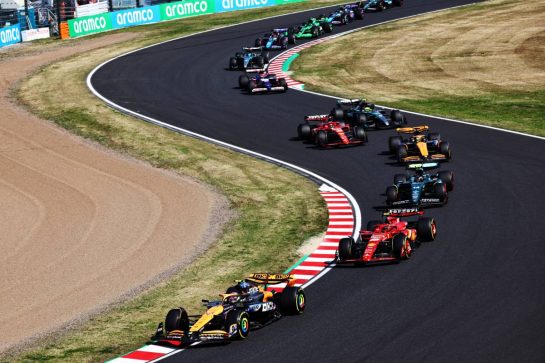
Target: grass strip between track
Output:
[(455, 64), (276, 209)]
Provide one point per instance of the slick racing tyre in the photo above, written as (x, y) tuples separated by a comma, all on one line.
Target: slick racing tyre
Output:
[(327, 27), (401, 153), (444, 148), (282, 82), (241, 320), (440, 190), (391, 195), (315, 32), (258, 42), (338, 114), (397, 118), (360, 134), (291, 38), (346, 246), (447, 177), (233, 64), (251, 85), (243, 81), (360, 120), (399, 246), (426, 229), (259, 61), (176, 319), (394, 142), (292, 300), (321, 138), (304, 131)]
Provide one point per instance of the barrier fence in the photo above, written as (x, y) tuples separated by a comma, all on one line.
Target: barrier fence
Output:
[(76, 18)]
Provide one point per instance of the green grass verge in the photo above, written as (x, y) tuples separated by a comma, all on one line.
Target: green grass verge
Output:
[(276, 209), (345, 68)]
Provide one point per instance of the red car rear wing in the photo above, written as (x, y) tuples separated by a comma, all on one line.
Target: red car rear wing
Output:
[(317, 118), (403, 212)]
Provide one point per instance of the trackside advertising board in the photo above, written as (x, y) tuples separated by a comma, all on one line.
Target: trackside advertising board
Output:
[(153, 14), (90, 24), (184, 9), (231, 5), (10, 35), (138, 16)]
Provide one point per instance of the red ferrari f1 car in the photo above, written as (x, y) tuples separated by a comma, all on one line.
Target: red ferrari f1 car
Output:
[(324, 131), (388, 241)]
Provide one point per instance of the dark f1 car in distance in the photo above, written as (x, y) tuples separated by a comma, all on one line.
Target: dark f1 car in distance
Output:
[(278, 38), (361, 112), (262, 82), (245, 306), (419, 147), (379, 5), (250, 59), (420, 188), (313, 28), (387, 241), (346, 14), (325, 132)]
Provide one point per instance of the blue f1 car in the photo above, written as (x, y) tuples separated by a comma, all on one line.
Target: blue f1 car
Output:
[(358, 112), (346, 14), (421, 189), (379, 5), (251, 58), (278, 38)]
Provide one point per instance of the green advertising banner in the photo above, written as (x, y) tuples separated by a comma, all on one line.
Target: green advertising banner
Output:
[(184, 9), (90, 25)]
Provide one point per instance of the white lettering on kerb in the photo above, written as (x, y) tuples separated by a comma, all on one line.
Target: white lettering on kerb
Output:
[(189, 8), (9, 35), (134, 17), (232, 4), (88, 25)]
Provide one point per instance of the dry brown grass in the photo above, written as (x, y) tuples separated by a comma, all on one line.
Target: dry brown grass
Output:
[(476, 50)]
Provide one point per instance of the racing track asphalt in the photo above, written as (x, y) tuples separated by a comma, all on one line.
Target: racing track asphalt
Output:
[(475, 294)]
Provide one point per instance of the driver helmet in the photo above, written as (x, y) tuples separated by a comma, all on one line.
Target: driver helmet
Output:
[(244, 285), (367, 109)]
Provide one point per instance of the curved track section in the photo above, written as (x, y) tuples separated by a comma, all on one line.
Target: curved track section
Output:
[(473, 295)]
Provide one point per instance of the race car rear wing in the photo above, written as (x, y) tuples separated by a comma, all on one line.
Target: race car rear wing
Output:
[(344, 101), (412, 130), (403, 212), (251, 49), (271, 279), (317, 118), (423, 166), (255, 70), (280, 30)]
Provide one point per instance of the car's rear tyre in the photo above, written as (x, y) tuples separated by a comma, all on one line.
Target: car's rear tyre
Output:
[(284, 43), (394, 142), (359, 14), (346, 246), (265, 57), (400, 178), (233, 64), (401, 153), (258, 42), (251, 85), (447, 177), (321, 138), (283, 83), (177, 319), (291, 38), (391, 195), (327, 27), (426, 229), (444, 148), (397, 118), (242, 320), (304, 131), (360, 134), (440, 190), (243, 81), (372, 224), (259, 61), (399, 241), (315, 32), (292, 300), (360, 119), (338, 114)]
